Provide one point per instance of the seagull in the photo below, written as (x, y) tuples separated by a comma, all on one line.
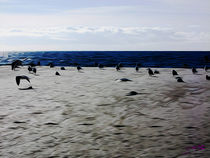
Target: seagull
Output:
[(194, 71), (120, 65), (150, 72), (63, 68), (132, 93), (15, 64), (57, 73), (137, 68), (51, 65), (18, 78), (207, 77), (34, 70), (117, 68), (179, 79), (100, 66), (29, 68), (174, 73), (79, 68), (125, 80)]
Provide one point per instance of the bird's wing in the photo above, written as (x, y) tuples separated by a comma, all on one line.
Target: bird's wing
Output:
[(18, 80), (26, 78)]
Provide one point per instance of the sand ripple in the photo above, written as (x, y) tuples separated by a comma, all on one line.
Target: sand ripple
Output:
[(89, 115)]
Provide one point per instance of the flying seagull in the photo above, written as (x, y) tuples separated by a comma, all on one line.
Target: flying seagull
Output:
[(18, 78), (15, 64), (120, 65)]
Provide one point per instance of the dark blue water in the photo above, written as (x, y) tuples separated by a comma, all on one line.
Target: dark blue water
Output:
[(164, 59)]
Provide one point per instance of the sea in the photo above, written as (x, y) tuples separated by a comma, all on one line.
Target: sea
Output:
[(162, 59)]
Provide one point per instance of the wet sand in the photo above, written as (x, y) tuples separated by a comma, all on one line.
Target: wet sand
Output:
[(87, 114)]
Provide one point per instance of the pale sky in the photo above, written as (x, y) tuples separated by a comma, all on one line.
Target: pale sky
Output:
[(38, 25)]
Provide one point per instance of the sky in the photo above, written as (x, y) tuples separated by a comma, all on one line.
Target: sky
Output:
[(76, 25)]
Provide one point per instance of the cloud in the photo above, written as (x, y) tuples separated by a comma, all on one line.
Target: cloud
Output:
[(56, 31), (103, 35), (133, 24)]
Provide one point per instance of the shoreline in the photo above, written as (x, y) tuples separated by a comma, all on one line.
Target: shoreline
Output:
[(129, 67)]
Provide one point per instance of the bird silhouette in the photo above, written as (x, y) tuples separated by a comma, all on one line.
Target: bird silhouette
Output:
[(117, 68), (179, 79), (57, 73), (100, 66), (174, 73), (63, 68), (120, 65), (51, 65), (18, 78), (79, 68), (194, 71), (137, 68), (16, 64), (150, 72), (34, 70), (29, 68)]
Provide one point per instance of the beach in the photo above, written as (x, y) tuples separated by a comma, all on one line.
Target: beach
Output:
[(89, 114)]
